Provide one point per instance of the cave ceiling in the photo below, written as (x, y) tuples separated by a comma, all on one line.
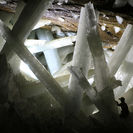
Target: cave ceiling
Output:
[(66, 13)]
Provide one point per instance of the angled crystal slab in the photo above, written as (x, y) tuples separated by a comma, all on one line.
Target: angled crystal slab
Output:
[(39, 70), (102, 73), (125, 73), (81, 58), (121, 50), (28, 18), (41, 45)]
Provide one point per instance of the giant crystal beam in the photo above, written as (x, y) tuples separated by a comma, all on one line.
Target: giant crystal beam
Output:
[(88, 89), (125, 73), (80, 59), (41, 73), (102, 75), (51, 55), (19, 8), (82, 81), (30, 15), (121, 50), (41, 45), (32, 12), (28, 18)]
